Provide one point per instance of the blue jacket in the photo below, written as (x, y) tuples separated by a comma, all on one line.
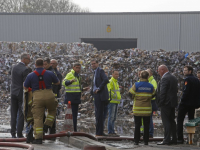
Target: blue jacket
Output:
[(191, 91), (101, 81)]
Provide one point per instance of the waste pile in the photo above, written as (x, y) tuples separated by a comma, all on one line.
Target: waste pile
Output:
[(127, 61)]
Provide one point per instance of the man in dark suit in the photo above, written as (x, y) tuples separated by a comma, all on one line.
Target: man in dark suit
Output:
[(167, 101), (18, 76), (100, 93)]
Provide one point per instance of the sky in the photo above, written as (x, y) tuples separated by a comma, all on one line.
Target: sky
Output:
[(139, 5)]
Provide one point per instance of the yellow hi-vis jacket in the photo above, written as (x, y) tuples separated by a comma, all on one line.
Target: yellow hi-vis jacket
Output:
[(142, 93), (75, 86), (154, 83), (115, 93)]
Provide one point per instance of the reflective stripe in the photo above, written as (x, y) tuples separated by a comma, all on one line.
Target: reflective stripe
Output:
[(73, 85), (30, 118), (50, 119), (30, 102), (148, 95), (73, 90), (142, 112), (131, 91), (115, 100), (39, 129), (115, 90), (49, 116), (142, 107)]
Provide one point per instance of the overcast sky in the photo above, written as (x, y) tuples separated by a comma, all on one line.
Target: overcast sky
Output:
[(138, 5)]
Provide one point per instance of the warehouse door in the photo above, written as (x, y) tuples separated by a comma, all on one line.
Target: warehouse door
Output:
[(112, 44)]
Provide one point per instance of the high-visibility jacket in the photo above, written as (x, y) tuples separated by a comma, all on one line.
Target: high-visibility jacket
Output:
[(113, 89), (75, 86), (154, 83), (142, 93)]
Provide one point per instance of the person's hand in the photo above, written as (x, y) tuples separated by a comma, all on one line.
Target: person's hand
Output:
[(73, 80), (86, 88), (96, 91)]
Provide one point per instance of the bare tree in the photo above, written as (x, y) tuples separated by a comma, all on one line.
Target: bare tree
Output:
[(40, 6)]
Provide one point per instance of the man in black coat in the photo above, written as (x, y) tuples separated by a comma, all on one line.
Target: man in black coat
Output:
[(189, 100), (167, 101), (100, 93), (18, 76)]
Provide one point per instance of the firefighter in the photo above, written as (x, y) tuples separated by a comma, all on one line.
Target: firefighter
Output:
[(41, 82), (142, 92)]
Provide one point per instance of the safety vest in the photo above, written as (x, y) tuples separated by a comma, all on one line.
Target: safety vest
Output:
[(41, 79), (115, 93), (142, 92), (75, 86), (154, 83)]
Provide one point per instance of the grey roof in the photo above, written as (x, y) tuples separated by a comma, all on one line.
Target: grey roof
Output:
[(106, 13)]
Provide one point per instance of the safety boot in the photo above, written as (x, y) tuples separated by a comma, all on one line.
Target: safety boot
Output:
[(29, 138), (45, 128), (37, 141)]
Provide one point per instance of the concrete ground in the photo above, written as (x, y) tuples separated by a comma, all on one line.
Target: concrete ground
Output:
[(80, 142)]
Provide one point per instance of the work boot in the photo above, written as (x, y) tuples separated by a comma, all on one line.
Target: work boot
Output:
[(37, 141), (52, 131), (29, 138), (45, 128)]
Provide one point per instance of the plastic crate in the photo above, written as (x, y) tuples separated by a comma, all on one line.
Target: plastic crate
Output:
[(193, 122)]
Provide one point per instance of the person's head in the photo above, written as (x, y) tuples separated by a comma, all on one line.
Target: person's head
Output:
[(115, 74), (162, 69), (39, 63), (25, 58), (94, 64), (144, 74), (139, 73), (54, 63), (150, 71), (46, 63), (187, 70), (77, 67), (198, 75)]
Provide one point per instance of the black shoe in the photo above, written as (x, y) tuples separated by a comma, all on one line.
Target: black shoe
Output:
[(180, 141), (45, 128), (136, 143), (29, 138), (104, 134), (173, 142), (146, 143), (37, 141), (163, 143), (150, 136), (14, 136), (20, 135)]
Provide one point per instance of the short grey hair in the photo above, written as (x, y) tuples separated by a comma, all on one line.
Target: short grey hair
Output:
[(24, 55), (54, 60)]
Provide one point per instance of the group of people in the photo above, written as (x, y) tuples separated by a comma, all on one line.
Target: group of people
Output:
[(45, 82), (166, 99)]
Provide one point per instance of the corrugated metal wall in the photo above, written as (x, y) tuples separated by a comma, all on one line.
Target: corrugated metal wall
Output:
[(169, 31)]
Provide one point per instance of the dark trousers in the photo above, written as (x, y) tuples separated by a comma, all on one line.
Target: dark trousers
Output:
[(75, 114), (99, 114), (146, 121), (182, 111), (16, 108), (168, 119)]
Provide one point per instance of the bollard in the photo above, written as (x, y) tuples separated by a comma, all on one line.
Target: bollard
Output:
[(94, 147)]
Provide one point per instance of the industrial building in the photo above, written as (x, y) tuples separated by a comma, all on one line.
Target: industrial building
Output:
[(171, 31)]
